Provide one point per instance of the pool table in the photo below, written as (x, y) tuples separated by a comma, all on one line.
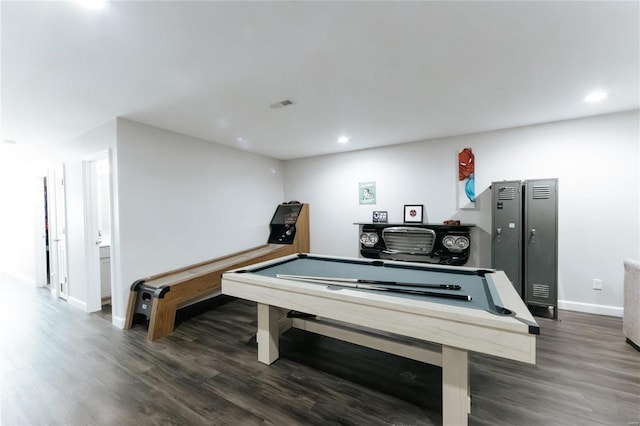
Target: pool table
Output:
[(431, 313)]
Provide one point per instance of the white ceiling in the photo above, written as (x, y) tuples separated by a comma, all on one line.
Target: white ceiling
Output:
[(381, 73)]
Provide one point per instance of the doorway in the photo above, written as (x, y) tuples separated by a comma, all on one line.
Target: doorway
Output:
[(56, 231), (97, 204), (47, 255)]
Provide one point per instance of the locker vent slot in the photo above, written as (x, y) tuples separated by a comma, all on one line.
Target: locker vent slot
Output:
[(541, 192), (409, 240), (541, 291), (506, 193)]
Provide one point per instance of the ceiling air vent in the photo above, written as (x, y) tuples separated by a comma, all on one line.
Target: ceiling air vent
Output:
[(281, 104)]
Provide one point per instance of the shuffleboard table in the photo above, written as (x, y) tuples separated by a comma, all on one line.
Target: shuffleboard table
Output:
[(431, 313)]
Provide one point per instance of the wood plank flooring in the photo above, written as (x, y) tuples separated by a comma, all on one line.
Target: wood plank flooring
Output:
[(61, 366)]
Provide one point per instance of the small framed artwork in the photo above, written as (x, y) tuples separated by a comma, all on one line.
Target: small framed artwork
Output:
[(413, 213), (379, 216), (367, 192)]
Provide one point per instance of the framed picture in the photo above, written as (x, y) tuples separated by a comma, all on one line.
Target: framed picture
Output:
[(379, 216), (367, 192), (413, 213), (466, 179)]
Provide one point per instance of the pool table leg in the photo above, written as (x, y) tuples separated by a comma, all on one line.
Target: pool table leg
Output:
[(456, 399), (268, 335)]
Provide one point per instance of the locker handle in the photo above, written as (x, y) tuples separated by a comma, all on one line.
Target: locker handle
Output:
[(533, 235), (498, 231)]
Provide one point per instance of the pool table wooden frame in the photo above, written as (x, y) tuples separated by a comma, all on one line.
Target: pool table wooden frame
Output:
[(393, 324)]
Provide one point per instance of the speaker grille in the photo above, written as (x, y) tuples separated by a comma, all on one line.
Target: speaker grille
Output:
[(409, 240)]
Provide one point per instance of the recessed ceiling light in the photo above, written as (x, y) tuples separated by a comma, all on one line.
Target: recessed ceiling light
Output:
[(93, 4), (343, 139), (7, 141), (595, 96)]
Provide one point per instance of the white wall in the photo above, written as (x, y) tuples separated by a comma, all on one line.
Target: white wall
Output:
[(19, 215), (596, 160), (183, 200)]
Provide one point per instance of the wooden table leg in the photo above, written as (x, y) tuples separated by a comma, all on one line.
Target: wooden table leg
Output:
[(456, 399), (163, 318), (268, 335)]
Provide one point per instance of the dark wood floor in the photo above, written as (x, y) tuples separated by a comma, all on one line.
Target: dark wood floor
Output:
[(62, 366)]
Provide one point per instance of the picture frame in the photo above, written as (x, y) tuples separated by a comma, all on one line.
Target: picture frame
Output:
[(367, 193), (413, 213), (380, 216)]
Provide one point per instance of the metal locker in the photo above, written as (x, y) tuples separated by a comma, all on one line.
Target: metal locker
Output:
[(506, 245), (541, 243)]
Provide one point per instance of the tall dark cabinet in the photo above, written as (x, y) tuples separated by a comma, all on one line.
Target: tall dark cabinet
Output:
[(506, 247), (525, 238)]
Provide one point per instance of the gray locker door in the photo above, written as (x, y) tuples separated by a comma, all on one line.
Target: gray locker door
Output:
[(541, 242), (506, 247)]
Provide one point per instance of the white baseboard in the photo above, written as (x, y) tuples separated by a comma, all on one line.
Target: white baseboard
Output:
[(20, 277), (77, 303), (118, 322), (590, 308)]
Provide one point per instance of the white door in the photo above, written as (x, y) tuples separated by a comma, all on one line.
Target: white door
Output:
[(58, 220)]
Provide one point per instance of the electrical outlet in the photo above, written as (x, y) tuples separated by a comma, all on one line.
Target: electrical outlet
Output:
[(597, 284)]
